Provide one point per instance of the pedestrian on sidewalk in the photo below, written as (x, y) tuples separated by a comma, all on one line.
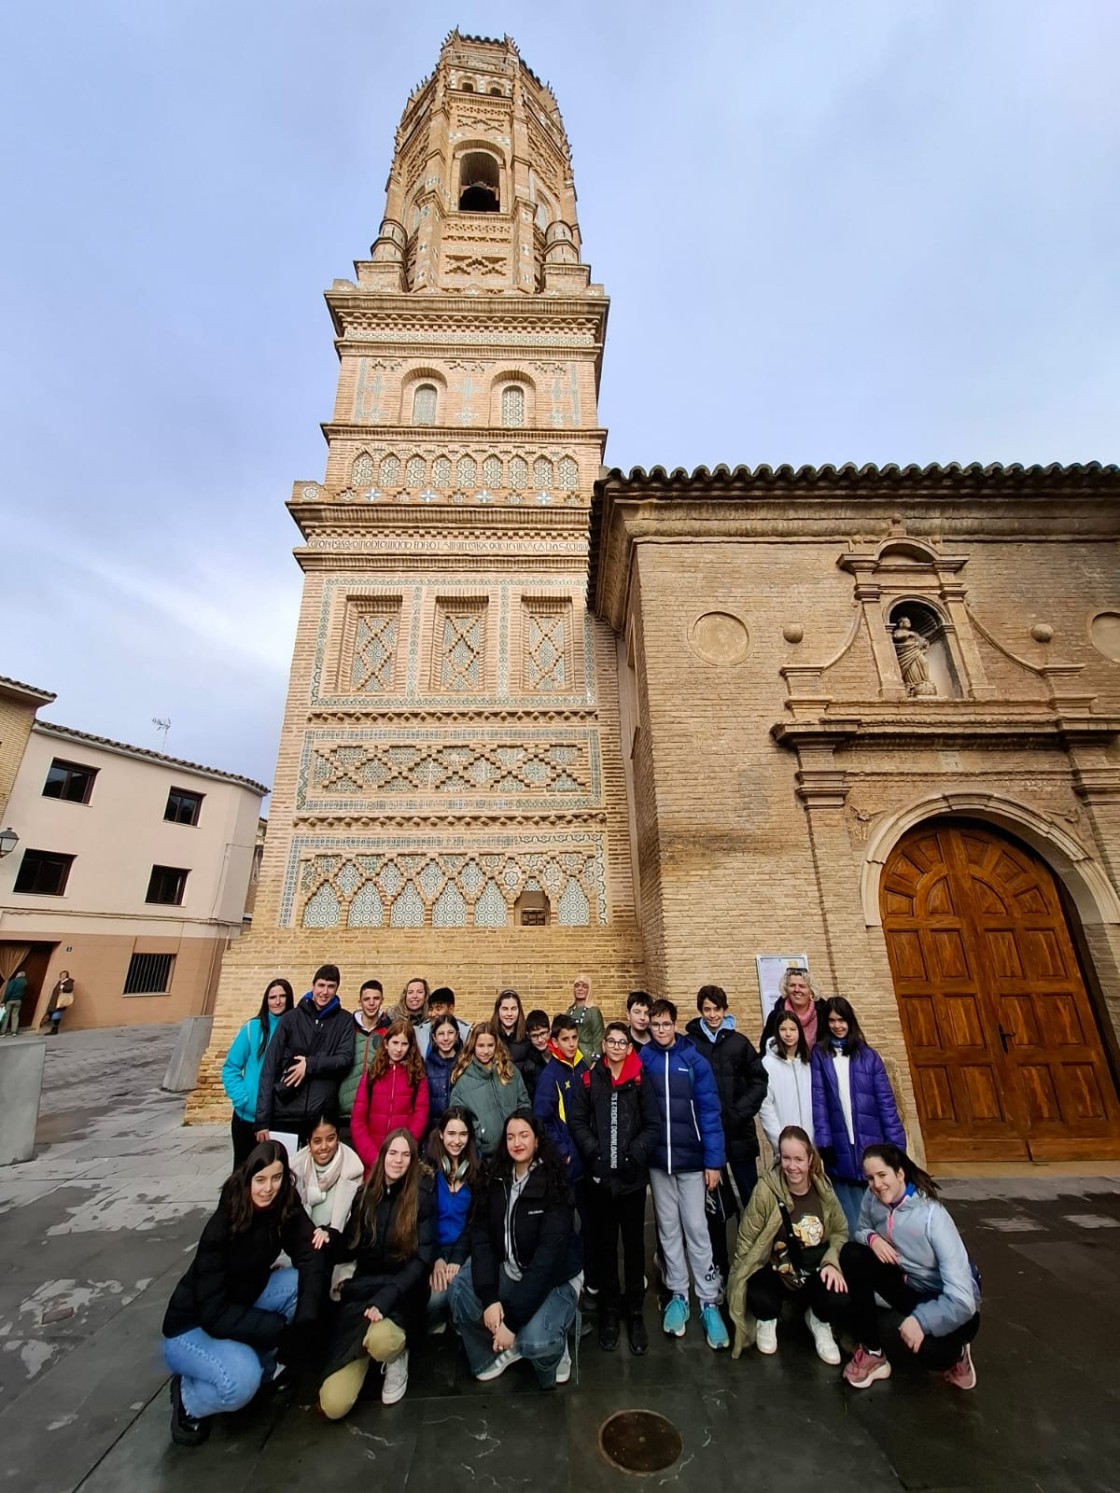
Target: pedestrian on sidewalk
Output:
[(908, 1252), (390, 1236), (241, 1071), (685, 1165), (788, 1251), (516, 1296), (614, 1124), (11, 1003), (227, 1325), (62, 998), (853, 1104)]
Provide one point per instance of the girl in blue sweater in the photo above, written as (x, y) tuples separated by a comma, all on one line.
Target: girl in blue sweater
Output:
[(454, 1159), (241, 1071)]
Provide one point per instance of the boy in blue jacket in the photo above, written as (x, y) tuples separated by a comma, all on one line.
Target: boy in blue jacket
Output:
[(552, 1103), (685, 1164)]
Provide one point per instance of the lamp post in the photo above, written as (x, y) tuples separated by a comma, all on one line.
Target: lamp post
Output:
[(8, 842)]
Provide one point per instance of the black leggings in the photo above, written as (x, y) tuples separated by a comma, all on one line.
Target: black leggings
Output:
[(766, 1295), (867, 1277)]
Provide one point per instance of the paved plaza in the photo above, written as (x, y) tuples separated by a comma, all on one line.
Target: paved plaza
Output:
[(99, 1226)]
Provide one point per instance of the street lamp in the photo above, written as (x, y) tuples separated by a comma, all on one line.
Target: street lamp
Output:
[(8, 842)]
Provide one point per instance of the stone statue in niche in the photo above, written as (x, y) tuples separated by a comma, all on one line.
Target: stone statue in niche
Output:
[(911, 648)]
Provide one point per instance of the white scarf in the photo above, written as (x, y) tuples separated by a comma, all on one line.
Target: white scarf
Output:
[(339, 1180)]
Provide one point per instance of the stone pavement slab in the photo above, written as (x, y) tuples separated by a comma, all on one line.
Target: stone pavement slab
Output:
[(99, 1226)]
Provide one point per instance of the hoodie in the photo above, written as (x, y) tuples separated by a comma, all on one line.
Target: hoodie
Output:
[(931, 1256), (323, 1037), (552, 1102)]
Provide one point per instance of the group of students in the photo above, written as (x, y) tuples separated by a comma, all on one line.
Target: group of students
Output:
[(484, 1177)]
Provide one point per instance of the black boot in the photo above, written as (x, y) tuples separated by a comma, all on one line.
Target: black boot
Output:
[(610, 1324), (636, 1332), (185, 1430)]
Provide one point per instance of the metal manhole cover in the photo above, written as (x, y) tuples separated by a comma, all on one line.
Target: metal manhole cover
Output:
[(639, 1441)]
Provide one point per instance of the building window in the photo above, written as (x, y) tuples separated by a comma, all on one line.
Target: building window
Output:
[(466, 471), (390, 471), (183, 807), (361, 473), (569, 474), (424, 405), (518, 473), (69, 780), (414, 472), (166, 885), (43, 873), (513, 407), (479, 180), (149, 974)]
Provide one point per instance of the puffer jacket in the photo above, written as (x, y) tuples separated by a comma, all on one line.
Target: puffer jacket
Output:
[(544, 1239), (789, 1096), (552, 1102), (323, 1038), (741, 1081), (931, 1255), (778, 1010), (385, 1104), (614, 1124), (439, 1081), (875, 1114), (758, 1229), (241, 1071), (397, 1288), (490, 1101), (689, 1132), (229, 1271), (365, 1045)]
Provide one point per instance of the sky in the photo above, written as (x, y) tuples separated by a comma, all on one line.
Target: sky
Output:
[(831, 230)]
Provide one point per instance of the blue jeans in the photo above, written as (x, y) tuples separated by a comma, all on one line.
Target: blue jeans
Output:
[(220, 1374), (540, 1342), (850, 1197)]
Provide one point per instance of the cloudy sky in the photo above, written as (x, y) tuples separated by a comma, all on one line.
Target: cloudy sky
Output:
[(832, 230)]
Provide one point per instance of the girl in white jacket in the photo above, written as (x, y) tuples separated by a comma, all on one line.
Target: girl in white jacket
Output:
[(789, 1096)]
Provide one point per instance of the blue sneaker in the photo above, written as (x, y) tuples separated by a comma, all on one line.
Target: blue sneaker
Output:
[(676, 1315), (715, 1329)]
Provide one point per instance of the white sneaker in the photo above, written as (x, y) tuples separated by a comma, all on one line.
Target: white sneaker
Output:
[(766, 1336), (825, 1343), (396, 1379), (564, 1367), (500, 1364)]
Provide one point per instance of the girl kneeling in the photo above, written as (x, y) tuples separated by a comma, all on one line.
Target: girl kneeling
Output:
[(516, 1296), (789, 1249), (228, 1313), (390, 1235), (907, 1250)]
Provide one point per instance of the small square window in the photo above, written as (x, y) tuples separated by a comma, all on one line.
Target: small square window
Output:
[(69, 780), (166, 885), (43, 873), (183, 807), (149, 974)]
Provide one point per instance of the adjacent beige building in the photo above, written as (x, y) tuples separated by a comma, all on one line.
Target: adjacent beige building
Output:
[(131, 872), (545, 718)]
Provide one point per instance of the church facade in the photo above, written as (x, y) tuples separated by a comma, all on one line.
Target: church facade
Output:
[(544, 718)]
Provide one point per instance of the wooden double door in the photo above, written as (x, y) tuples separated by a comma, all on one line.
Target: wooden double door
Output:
[(1004, 1045)]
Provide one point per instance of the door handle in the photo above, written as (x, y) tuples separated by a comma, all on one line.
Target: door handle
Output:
[(1004, 1037)]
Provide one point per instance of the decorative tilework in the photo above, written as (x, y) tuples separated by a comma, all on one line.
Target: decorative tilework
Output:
[(461, 649), (450, 881), (545, 634), (375, 644), (397, 770), (502, 594)]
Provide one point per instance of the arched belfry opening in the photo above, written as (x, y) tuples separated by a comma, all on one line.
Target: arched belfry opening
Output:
[(479, 183)]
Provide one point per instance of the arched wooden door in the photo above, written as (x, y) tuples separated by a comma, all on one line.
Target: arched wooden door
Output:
[(1004, 1046)]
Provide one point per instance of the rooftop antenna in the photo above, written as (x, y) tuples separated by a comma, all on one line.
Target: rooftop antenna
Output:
[(162, 726)]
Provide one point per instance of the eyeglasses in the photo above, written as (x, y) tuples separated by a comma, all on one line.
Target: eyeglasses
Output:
[(661, 1026), (616, 1042)]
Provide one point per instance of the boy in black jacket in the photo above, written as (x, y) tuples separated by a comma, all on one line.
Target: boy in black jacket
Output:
[(613, 1122), (309, 1056)]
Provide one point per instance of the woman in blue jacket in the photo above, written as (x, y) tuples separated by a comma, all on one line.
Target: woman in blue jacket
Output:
[(241, 1071), (853, 1104), (908, 1252)]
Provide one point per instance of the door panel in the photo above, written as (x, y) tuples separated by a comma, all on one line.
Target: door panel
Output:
[(1002, 1039)]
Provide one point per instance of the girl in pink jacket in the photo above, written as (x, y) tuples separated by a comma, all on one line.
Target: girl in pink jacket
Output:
[(393, 1096)]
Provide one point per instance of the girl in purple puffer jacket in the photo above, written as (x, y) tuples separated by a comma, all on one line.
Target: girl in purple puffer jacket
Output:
[(853, 1104)]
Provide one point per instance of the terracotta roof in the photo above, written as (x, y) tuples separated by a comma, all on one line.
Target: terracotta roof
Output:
[(68, 733), (44, 696), (1093, 473)]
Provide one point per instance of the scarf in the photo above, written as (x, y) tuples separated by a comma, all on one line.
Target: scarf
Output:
[(341, 1176)]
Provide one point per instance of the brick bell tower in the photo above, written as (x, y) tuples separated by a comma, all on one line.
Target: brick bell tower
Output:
[(450, 794)]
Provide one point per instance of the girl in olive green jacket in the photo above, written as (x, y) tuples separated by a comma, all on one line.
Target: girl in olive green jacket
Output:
[(485, 1082)]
